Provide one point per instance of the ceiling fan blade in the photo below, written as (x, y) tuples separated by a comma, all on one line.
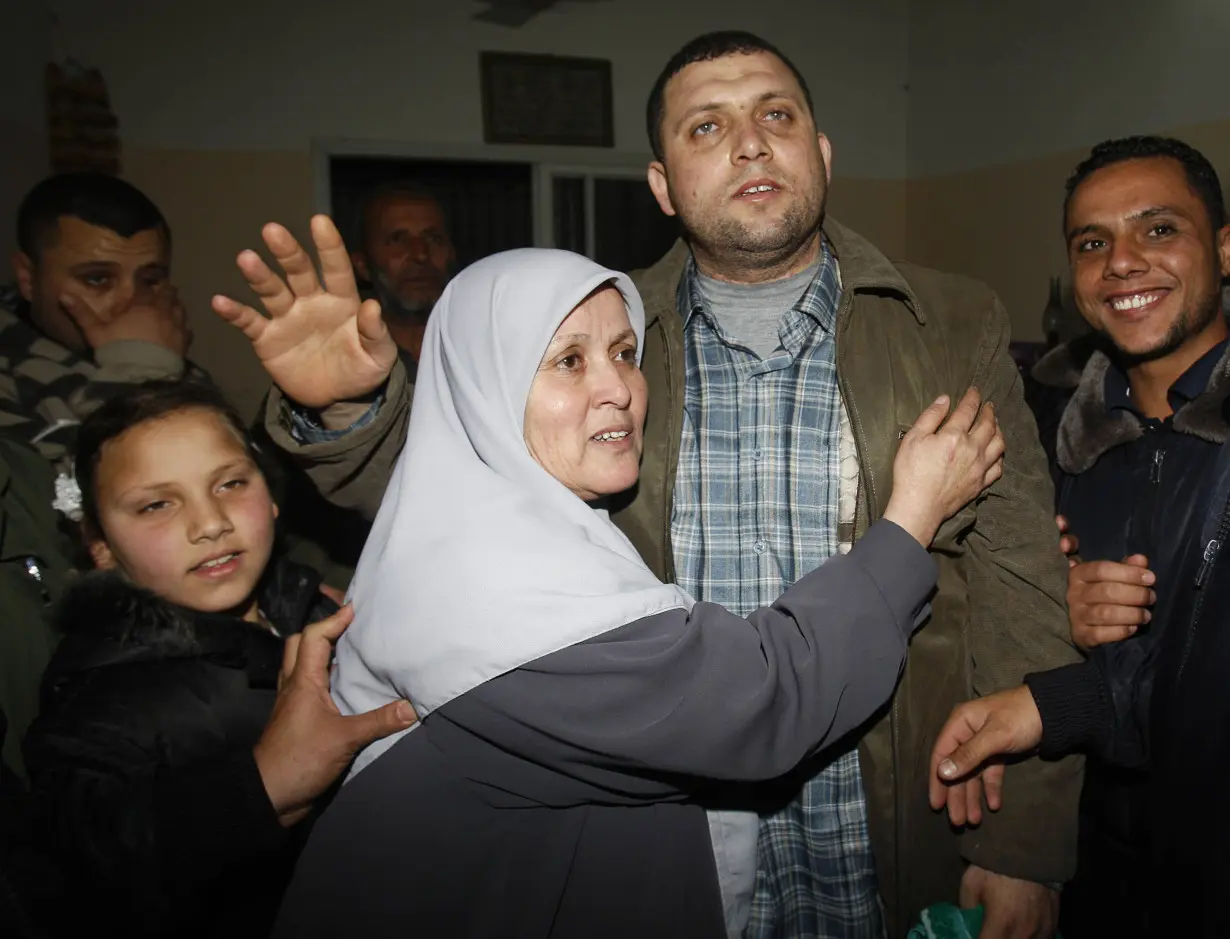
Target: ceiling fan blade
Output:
[(512, 12)]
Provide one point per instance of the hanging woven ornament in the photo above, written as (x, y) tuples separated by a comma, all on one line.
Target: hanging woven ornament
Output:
[(83, 130)]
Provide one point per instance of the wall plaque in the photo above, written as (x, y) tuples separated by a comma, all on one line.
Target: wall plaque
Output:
[(546, 99)]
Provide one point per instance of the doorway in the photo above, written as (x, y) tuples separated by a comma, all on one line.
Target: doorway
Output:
[(598, 206), (489, 205)]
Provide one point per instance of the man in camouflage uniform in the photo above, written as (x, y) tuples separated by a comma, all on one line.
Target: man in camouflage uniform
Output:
[(92, 311)]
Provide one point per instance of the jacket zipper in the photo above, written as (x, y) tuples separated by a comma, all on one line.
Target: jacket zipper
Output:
[(1141, 538), (1211, 550)]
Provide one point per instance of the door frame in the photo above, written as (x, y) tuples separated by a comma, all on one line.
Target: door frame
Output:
[(544, 176)]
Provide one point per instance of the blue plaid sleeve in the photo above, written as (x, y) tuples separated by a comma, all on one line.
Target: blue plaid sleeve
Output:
[(306, 428)]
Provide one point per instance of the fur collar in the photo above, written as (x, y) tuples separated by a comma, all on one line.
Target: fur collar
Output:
[(1087, 430), (104, 605), (1063, 366), (106, 620)]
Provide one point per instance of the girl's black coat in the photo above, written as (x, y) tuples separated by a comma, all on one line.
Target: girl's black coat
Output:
[(141, 760)]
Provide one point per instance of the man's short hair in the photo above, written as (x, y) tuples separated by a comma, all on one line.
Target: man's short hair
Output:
[(410, 190), (1199, 171), (706, 48), (95, 198)]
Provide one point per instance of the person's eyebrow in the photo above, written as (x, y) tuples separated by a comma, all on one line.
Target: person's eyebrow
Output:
[(1141, 215), (718, 105)]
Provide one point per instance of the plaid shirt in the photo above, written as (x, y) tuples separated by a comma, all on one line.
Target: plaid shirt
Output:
[(756, 506)]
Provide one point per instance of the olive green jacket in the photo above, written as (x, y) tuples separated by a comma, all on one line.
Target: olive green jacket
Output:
[(905, 335), (35, 568)]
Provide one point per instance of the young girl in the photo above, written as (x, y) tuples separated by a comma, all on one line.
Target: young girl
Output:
[(142, 761)]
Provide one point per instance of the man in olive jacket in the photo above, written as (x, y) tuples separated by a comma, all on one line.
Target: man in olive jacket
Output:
[(35, 567), (898, 336)]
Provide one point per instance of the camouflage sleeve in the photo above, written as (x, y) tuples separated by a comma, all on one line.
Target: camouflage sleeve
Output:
[(46, 391), (131, 361)]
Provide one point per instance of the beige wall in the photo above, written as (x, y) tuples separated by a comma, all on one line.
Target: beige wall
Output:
[(875, 208), (1002, 224), (994, 83), (216, 203)]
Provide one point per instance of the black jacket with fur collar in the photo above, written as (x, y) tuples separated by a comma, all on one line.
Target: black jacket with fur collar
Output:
[(1127, 486), (141, 760)]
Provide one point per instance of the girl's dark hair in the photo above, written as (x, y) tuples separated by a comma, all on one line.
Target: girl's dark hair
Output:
[(146, 402)]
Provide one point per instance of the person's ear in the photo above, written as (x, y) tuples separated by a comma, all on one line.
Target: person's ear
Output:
[(660, 187), (1223, 251), (359, 260), (101, 554), (826, 154), (23, 272)]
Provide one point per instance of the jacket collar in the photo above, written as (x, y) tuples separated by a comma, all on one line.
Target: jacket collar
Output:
[(1063, 366), (863, 268), (1088, 429)]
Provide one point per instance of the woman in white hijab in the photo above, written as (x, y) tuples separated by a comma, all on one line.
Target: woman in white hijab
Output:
[(578, 715)]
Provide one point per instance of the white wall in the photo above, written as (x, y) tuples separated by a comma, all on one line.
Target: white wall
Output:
[(23, 125), (997, 82), (273, 74)]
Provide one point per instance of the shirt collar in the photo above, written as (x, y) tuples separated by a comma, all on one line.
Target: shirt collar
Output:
[(819, 300), (1186, 388)]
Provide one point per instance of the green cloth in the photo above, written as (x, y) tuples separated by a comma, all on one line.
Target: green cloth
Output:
[(945, 921)]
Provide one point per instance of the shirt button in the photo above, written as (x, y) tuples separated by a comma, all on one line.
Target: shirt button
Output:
[(759, 547), (757, 454)]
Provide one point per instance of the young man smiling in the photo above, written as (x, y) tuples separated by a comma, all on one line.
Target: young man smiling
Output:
[(1137, 450)]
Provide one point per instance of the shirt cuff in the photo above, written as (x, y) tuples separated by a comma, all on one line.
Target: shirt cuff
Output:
[(1073, 706), (140, 354), (306, 428)]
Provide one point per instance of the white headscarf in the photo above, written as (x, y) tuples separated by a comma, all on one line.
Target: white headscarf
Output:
[(480, 561)]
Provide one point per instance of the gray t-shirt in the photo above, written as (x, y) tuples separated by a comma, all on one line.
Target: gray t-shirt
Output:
[(752, 313)]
